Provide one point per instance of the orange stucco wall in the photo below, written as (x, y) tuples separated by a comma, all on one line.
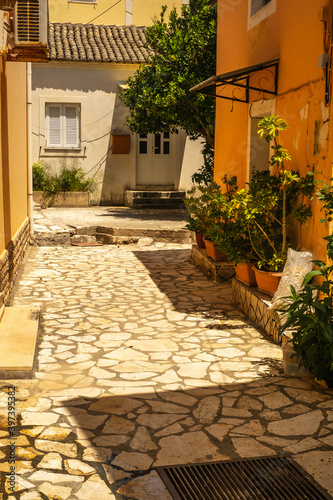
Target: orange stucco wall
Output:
[(13, 150), (293, 33)]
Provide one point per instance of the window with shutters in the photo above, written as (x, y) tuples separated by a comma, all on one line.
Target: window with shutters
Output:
[(62, 125)]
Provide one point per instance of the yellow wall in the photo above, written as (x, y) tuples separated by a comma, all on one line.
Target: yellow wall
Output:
[(62, 11), (75, 12), (13, 150), (295, 34), (145, 12)]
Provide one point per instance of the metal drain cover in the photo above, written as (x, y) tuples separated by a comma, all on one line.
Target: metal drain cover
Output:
[(269, 478)]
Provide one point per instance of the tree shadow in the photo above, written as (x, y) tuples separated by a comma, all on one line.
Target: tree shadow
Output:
[(184, 284), (125, 435)]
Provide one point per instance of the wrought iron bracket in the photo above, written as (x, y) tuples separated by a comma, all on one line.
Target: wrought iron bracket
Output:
[(236, 85)]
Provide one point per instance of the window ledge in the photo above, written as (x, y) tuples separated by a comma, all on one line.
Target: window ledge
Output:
[(89, 2), (61, 149)]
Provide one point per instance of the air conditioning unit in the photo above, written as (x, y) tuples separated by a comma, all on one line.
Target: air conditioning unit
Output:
[(31, 19)]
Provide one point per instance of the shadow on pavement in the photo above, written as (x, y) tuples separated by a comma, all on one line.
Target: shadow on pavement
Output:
[(129, 433)]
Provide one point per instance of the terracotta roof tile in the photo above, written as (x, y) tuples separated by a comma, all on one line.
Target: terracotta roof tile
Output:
[(98, 43)]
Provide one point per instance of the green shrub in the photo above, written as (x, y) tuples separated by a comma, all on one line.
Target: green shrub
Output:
[(73, 179), (310, 318), (69, 179), (38, 176)]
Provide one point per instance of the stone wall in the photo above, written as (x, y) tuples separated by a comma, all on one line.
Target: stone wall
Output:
[(217, 271), (256, 306), (10, 260), (63, 199)]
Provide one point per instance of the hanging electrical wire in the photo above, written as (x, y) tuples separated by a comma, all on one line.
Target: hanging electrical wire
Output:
[(105, 11)]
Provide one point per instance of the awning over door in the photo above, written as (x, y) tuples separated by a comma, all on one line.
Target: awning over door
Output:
[(236, 85)]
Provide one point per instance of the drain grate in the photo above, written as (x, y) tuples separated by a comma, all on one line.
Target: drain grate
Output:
[(270, 478)]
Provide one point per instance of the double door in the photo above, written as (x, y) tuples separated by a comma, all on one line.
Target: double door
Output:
[(155, 159)]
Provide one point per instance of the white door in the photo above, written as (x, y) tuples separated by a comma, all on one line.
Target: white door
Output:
[(155, 160)]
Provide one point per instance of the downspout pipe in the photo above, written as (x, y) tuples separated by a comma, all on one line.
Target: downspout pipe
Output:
[(29, 147)]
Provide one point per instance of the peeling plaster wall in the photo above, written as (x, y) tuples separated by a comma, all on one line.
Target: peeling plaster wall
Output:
[(307, 140), (293, 33)]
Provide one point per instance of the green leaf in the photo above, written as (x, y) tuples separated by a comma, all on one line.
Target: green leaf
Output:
[(320, 306), (310, 275)]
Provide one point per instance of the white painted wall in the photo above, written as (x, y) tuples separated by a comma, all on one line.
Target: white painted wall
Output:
[(95, 87), (192, 161)]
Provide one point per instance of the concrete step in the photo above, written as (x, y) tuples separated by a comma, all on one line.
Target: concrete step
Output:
[(157, 194), (170, 187), (18, 339), (169, 200), (159, 206), (110, 239), (114, 236)]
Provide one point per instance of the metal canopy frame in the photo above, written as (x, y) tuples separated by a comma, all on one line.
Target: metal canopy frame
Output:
[(240, 80)]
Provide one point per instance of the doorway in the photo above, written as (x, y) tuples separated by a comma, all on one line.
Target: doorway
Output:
[(155, 159)]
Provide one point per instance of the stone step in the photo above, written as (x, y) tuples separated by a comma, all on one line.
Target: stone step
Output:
[(170, 187), (169, 200), (159, 206), (113, 236), (18, 338), (157, 194), (110, 239)]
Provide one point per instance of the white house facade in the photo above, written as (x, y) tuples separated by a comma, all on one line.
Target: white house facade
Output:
[(78, 119)]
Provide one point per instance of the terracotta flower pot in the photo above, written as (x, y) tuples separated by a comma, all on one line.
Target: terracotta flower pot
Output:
[(267, 281), (245, 274), (200, 241), (214, 253)]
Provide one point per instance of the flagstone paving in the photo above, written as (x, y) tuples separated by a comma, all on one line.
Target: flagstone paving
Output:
[(143, 362)]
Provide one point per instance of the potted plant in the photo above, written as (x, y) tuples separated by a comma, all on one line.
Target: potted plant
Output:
[(230, 235), (272, 199), (220, 221), (194, 226), (310, 319), (200, 205)]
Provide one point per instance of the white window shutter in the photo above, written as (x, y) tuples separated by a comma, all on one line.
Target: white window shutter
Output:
[(54, 125), (71, 126)]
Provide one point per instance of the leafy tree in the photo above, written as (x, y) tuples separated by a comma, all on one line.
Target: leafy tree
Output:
[(158, 95)]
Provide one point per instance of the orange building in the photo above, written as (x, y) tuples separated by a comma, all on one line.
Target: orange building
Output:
[(271, 59), (21, 40)]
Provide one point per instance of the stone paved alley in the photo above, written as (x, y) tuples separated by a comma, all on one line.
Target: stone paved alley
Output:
[(142, 361)]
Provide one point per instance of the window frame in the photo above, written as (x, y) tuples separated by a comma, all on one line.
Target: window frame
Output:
[(87, 2), (259, 15), (63, 126)]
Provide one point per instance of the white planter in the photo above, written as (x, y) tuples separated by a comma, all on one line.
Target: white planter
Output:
[(63, 199)]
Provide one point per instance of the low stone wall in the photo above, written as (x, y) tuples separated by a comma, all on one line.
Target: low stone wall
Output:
[(63, 199), (10, 260), (217, 271), (256, 306)]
